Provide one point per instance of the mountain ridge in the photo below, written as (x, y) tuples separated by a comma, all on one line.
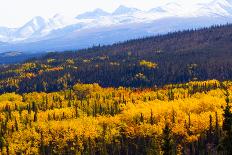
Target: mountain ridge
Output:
[(40, 30), (177, 57), (93, 14), (124, 10)]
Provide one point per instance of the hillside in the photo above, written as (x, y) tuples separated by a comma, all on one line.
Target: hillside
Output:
[(16, 57), (173, 58), (88, 119)]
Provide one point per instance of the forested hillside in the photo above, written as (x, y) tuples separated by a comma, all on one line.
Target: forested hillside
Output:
[(146, 96), (191, 118), (16, 57), (173, 58)]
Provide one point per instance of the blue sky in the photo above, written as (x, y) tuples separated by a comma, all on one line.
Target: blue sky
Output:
[(14, 13)]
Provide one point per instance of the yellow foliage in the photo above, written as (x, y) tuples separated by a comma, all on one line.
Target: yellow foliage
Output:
[(90, 113), (148, 64)]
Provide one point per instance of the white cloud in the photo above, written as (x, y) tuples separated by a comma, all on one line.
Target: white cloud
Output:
[(14, 13)]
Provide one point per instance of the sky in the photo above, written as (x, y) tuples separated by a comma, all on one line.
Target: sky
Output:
[(15, 13)]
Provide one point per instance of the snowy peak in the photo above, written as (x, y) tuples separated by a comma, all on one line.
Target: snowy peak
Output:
[(124, 10), (58, 21), (216, 8), (38, 28), (173, 8), (36, 23), (157, 10), (101, 13), (213, 8), (93, 14), (222, 5), (222, 2), (170, 9)]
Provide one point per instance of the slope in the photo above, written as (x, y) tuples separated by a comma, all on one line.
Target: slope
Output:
[(174, 58)]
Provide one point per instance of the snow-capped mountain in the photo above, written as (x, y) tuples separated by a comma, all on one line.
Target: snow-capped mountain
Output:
[(101, 27), (34, 30), (93, 14), (217, 7), (34, 26), (125, 10)]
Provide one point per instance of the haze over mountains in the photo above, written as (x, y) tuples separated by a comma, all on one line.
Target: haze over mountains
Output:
[(60, 33)]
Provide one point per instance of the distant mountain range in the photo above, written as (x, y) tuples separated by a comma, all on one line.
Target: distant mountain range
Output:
[(100, 27)]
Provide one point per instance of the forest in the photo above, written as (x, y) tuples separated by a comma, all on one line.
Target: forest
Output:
[(173, 58), (189, 118), (166, 95)]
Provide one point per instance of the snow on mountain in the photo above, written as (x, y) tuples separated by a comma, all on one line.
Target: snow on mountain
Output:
[(35, 29), (213, 8), (30, 28), (216, 7), (157, 10), (93, 14), (85, 38), (59, 21), (56, 22), (5, 33), (97, 24), (173, 8), (124, 10), (221, 6)]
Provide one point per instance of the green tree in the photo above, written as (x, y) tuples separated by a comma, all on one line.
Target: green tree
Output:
[(167, 140), (227, 124)]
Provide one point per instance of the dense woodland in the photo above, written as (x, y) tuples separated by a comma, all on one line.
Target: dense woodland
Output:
[(173, 58), (142, 97), (191, 118)]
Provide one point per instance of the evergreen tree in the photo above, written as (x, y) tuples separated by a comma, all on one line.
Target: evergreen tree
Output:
[(151, 118), (227, 124), (35, 116), (167, 140)]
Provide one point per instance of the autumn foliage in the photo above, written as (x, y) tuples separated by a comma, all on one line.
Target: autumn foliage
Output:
[(88, 119)]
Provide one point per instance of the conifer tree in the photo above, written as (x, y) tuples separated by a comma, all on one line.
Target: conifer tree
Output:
[(151, 118), (167, 140), (227, 124)]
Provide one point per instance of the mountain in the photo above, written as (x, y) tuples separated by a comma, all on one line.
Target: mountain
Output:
[(158, 60), (72, 39), (94, 14), (222, 6), (15, 57), (36, 29), (174, 9), (32, 28), (124, 10), (5, 33), (60, 33), (157, 10), (216, 7)]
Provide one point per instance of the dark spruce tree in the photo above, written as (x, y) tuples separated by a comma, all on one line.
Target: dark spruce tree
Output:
[(167, 144), (227, 124)]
